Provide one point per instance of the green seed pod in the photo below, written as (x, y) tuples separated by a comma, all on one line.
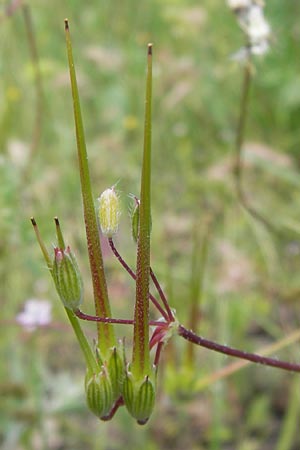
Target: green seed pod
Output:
[(67, 278), (99, 393), (116, 370), (139, 397), (109, 212)]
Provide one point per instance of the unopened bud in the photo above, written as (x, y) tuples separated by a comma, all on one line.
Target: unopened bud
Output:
[(139, 397), (67, 278), (99, 393), (109, 212)]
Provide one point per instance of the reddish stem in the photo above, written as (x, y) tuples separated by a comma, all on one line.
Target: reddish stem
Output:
[(119, 402), (88, 317), (162, 295), (156, 339), (133, 275), (158, 353), (198, 340)]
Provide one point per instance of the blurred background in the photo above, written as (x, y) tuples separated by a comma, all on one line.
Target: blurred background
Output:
[(205, 246)]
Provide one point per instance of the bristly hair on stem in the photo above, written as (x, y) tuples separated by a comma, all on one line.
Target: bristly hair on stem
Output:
[(141, 354)]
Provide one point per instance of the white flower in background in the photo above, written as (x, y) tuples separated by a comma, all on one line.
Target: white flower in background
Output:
[(36, 313), (250, 15), (260, 48), (254, 24), (239, 4)]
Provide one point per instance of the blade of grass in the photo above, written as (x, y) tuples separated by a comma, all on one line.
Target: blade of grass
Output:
[(290, 424), (199, 259)]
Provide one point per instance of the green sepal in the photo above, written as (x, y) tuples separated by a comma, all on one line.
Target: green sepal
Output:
[(99, 392), (67, 278), (116, 369), (139, 396)]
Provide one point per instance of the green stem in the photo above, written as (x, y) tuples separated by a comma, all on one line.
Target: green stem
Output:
[(85, 347), (83, 342), (106, 336), (141, 353), (240, 137), (241, 126), (42, 245), (60, 238)]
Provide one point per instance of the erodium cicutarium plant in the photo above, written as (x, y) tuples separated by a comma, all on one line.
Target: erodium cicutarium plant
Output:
[(113, 378)]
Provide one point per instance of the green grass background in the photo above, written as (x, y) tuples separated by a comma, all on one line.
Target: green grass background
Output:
[(252, 286)]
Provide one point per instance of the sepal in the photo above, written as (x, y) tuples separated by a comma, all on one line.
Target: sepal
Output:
[(139, 396), (116, 369), (99, 392), (67, 278)]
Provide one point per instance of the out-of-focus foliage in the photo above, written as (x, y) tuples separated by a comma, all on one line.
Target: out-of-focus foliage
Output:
[(251, 283)]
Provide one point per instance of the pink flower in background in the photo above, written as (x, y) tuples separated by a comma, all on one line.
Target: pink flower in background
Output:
[(36, 313)]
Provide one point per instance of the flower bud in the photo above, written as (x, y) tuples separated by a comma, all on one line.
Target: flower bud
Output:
[(99, 393), (139, 397), (67, 278), (109, 212)]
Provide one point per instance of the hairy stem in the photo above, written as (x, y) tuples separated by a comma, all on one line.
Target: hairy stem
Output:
[(106, 336), (198, 340), (141, 353), (88, 317), (238, 365)]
